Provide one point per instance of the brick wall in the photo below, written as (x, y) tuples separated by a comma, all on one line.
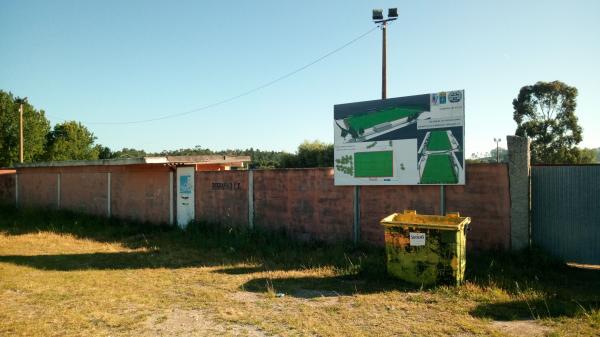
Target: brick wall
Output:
[(377, 202), (7, 187), (486, 199), (140, 193), (222, 197), (303, 202), (38, 188)]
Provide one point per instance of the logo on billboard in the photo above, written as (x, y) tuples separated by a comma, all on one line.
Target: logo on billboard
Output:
[(442, 98), (434, 99), (454, 96)]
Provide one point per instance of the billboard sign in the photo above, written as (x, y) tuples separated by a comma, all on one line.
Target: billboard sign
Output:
[(413, 140)]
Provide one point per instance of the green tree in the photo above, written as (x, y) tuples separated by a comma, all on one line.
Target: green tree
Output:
[(129, 153), (310, 154), (104, 152), (502, 155), (545, 112), (35, 128), (71, 141)]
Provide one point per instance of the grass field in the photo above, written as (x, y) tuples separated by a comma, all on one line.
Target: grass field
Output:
[(374, 164), (63, 274), (438, 141), (438, 170), (371, 119)]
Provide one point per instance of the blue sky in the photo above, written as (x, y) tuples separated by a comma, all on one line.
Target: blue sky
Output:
[(119, 61)]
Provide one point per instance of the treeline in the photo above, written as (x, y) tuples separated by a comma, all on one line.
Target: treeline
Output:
[(71, 140), (308, 154)]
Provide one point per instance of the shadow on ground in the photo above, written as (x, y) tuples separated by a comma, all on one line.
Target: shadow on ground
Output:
[(105, 261), (312, 287), (535, 309), (561, 290)]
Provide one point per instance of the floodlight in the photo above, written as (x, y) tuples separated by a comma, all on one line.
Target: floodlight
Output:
[(378, 14), (392, 12)]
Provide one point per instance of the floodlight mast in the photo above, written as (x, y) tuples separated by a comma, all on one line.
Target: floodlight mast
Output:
[(497, 140), (379, 20)]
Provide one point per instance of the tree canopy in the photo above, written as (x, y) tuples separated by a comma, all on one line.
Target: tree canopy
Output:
[(309, 154), (35, 128), (71, 141), (545, 112)]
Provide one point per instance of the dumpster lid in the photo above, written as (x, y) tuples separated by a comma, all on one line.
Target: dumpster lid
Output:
[(410, 218)]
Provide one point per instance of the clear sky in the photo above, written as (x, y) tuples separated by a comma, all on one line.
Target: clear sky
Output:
[(118, 61)]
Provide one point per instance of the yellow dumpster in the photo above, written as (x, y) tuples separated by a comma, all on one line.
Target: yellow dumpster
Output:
[(426, 249)]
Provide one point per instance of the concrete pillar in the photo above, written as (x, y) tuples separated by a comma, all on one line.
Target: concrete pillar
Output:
[(108, 195), (171, 198), (520, 197), (250, 199), (16, 190), (58, 190)]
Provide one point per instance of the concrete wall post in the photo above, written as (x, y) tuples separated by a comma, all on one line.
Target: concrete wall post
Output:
[(16, 190), (108, 191), (519, 171), (250, 199), (58, 190), (171, 198)]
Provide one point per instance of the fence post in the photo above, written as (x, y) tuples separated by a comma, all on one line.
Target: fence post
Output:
[(520, 186)]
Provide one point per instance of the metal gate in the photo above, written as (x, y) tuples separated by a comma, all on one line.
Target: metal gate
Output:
[(566, 211)]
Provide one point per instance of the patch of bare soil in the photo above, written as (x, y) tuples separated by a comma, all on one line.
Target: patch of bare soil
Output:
[(185, 323), (522, 328)]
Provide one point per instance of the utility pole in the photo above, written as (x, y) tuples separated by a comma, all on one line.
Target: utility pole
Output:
[(21, 101), (378, 19)]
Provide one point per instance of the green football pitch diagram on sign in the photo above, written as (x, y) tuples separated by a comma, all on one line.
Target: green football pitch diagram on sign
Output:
[(400, 141), (373, 164)]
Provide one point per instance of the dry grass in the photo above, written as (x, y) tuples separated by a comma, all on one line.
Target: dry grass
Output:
[(70, 275)]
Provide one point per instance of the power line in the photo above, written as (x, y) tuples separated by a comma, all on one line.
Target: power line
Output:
[(245, 93)]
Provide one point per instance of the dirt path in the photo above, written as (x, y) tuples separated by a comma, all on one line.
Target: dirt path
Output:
[(184, 323)]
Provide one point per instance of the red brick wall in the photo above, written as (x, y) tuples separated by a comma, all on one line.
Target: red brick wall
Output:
[(140, 193), (377, 202), (38, 187), (304, 202), (7, 187), (222, 197), (485, 198), (84, 191)]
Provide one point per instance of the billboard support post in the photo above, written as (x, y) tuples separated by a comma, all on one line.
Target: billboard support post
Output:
[(442, 200)]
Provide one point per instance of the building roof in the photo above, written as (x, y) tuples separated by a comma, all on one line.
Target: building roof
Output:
[(167, 160)]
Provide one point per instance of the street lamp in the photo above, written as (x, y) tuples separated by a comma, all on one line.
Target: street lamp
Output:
[(382, 22), (497, 140), (21, 101)]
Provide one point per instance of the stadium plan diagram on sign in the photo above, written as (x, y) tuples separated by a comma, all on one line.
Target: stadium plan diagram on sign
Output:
[(411, 140)]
